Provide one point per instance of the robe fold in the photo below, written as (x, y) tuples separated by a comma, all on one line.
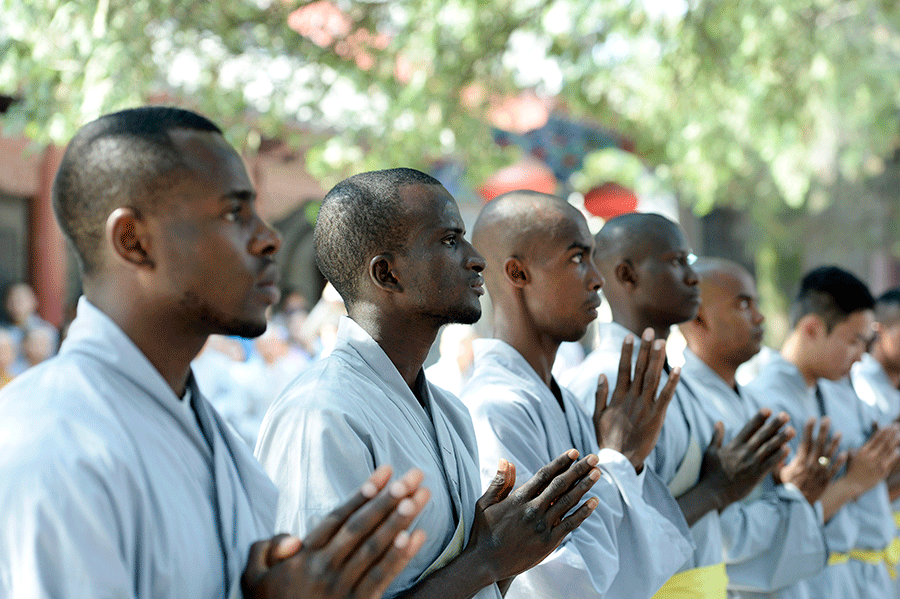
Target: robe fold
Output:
[(111, 487), (637, 526), (860, 526), (773, 538), (678, 454), (353, 412)]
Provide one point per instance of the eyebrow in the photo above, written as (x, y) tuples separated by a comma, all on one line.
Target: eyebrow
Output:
[(241, 195), (581, 246)]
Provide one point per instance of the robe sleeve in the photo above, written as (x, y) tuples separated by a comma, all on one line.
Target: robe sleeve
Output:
[(624, 535), (317, 458), (772, 540), (64, 530)]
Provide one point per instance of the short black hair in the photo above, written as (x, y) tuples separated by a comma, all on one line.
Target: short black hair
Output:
[(831, 293), (362, 216), (126, 158), (884, 302), (631, 235)]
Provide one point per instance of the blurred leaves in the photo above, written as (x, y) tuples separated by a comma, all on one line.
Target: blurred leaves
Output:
[(743, 101)]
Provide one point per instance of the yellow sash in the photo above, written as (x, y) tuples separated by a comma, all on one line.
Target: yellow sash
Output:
[(889, 556), (708, 582)]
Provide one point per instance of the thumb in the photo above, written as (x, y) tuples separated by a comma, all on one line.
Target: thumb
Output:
[(501, 484), (718, 435), (600, 396)]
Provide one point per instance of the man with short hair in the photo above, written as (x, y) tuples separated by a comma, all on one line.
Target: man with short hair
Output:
[(391, 242), (543, 287), (120, 480), (650, 284), (831, 324), (774, 537)]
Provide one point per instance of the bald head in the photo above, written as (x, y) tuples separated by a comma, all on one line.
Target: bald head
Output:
[(728, 328), (634, 237), (540, 270), (519, 223)]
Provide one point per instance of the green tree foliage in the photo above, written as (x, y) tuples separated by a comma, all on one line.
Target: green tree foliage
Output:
[(733, 101)]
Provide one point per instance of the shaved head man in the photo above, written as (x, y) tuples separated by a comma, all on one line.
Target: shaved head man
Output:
[(392, 243), (726, 332), (127, 482), (650, 283), (543, 285)]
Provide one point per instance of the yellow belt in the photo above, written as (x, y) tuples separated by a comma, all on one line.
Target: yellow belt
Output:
[(889, 556), (897, 519), (708, 582)]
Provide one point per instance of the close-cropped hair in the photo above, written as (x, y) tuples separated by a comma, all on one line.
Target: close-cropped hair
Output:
[(361, 217), (125, 158), (832, 294), (884, 302)]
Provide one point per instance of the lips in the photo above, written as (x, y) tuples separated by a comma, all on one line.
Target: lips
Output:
[(268, 283), (478, 285)]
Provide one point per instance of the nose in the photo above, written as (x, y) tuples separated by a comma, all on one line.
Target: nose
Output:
[(266, 240), (690, 275), (474, 261), (595, 279), (758, 317)]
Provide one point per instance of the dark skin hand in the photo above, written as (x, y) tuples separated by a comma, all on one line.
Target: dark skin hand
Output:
[(805, 471), (631, 422), (729, 472), (515, 530), (355, 552)]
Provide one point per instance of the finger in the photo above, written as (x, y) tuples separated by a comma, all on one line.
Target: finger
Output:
[(838, 463), (377, 579), (564, 491), (372, 549), (322, 533), (286, 546), (362, 522), (668, 392), (500, 486), (752, 426), (643, 359), (718, 435), (833, 447), (600, 397), (767, 432), (780, 454), (654, 372), (774, 445), (536, 485), (559, 508), (805, 449), (573, 520), (623, 382), (822, 439), (257, 560)]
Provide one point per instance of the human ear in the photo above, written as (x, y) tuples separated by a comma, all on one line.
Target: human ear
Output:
[(811, 326), (700, 319), (625, 274), (129, 237), (516, 272), (383, 273)]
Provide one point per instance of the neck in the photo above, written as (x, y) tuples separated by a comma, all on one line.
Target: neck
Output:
[(168, 348), (405, 340), (792, 351), (519, 331), (892, 372), (637, 323), (723, 368)]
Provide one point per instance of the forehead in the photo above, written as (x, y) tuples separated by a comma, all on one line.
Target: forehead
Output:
[(558, 230), (665, 239), (725, 286), (857, 325), (211, 159), (429, 207)]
